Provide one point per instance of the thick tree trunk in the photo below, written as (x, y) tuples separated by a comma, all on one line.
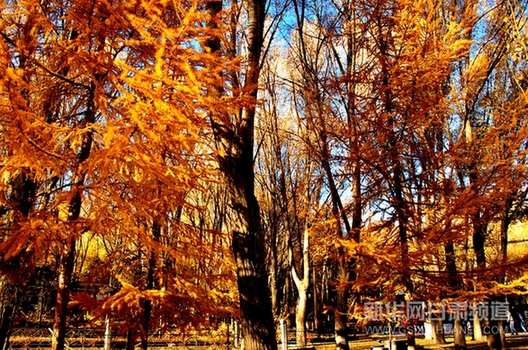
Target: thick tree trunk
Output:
[(459, 334), (234, 141), (493, 338), (300, 318), (257, 326), (256, 319), (145, 324), (437, 332)]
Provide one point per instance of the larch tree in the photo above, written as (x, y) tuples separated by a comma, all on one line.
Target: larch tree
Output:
[(234, 139), (289, 185), (102, 106), (401, 69), (490, 170)]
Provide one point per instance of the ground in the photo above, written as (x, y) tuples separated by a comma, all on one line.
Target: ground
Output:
[(514, 342)]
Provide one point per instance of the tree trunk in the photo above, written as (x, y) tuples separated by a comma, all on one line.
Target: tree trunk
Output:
[(317, 321), (344, 269), (459, 334), (504, 344), (147, 304), (66, 266), (234, 142), (67, 254), (256, 319), (273, 264), (480, 227), (274, 293), (5, 326), (22, 199), (477, 328), (437, 331), (504, 227), (300, 318), (493, 338), (302, 285), (130, 339), (108, 334), (340, 318)]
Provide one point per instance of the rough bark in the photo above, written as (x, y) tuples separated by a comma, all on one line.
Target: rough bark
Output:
[(234, 137), (66, 266)]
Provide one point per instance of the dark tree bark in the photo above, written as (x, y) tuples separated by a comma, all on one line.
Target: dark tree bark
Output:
[(480, 227), (65, 272), (131, 337), (5, 325), (147, 304), (454, 283), (234, 137)]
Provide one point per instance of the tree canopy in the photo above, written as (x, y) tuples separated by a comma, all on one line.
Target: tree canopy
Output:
[(168, 163)]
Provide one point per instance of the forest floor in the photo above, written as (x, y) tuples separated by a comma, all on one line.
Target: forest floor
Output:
[(514, 342)]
